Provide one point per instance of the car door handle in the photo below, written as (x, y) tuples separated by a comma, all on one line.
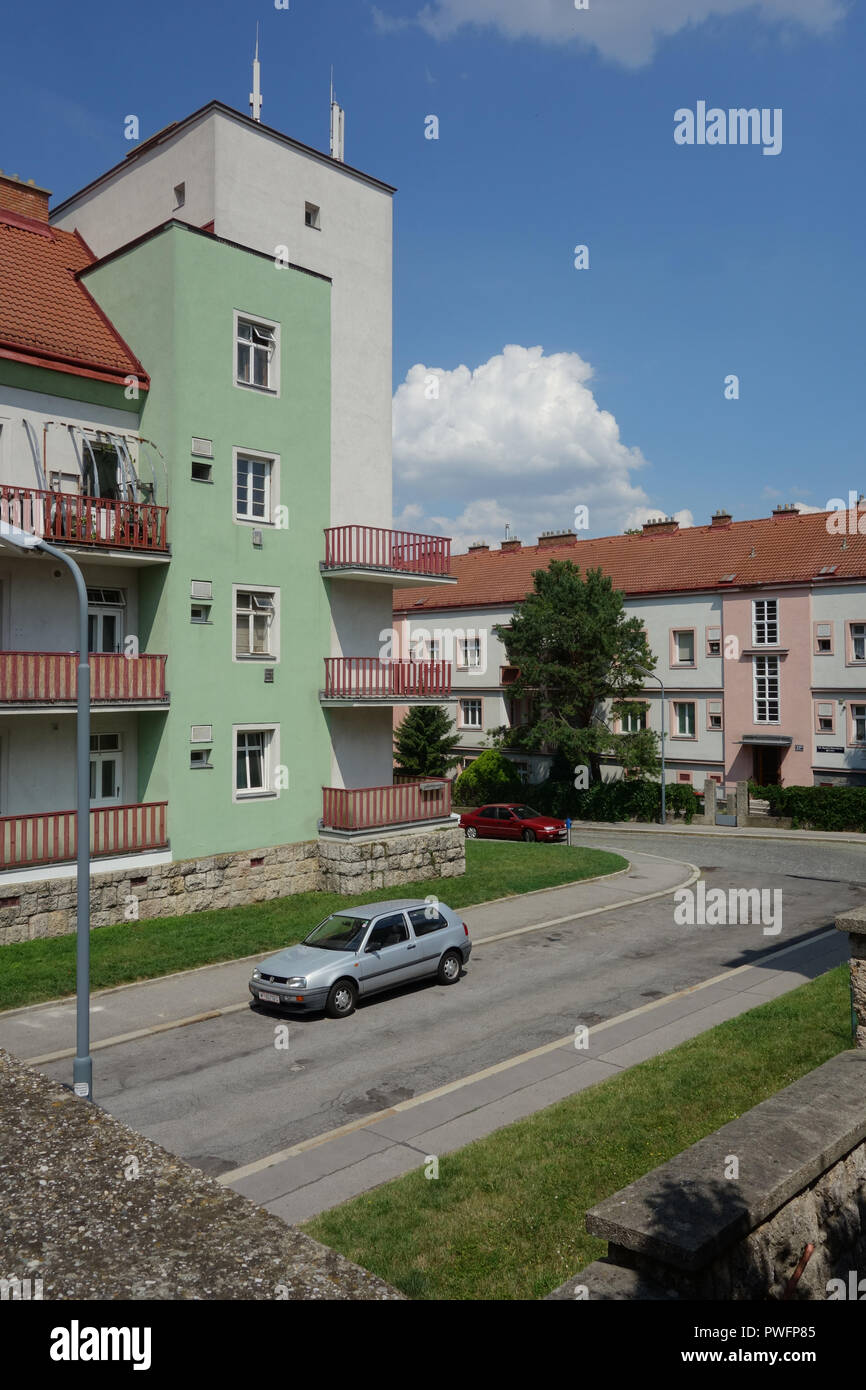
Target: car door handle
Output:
[(412, 947)]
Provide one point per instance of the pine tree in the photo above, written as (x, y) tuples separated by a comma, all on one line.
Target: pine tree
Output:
[(423, 743)]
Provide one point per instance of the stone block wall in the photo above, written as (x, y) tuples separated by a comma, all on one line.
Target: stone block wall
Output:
[(47, 907)]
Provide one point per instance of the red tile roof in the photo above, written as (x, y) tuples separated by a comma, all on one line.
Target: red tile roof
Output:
[(788, 549), (47, 318)]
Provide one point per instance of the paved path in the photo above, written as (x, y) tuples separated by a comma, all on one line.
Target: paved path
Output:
[(46, 1032)]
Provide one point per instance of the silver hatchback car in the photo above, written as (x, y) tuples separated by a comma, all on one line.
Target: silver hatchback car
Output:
[(362, 950)]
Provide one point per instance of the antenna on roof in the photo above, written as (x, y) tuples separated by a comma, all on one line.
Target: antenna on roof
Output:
[(338, 126), (256, 93)]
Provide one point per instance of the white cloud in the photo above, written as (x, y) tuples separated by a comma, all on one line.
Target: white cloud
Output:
[(519, 439), (627, 31)]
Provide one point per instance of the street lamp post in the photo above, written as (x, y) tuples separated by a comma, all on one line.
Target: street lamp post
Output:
[(644, 672), (82, 1066)]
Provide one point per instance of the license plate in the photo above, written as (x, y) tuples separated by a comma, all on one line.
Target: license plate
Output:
[(269, 998)]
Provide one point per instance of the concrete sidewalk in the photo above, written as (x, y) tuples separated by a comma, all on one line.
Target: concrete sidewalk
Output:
[(300, 1182), (46, 1032), (748, 832)]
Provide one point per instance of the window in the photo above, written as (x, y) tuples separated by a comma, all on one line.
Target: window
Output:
[(633, 720), (255, 629), (434, 649), (257, 354), (312, 216), (714, 714), (426, 920), (255, 752), (858, 641), (105, 620), (824, 717), (684, 647), (684, 718), (199, 612), (388, 931), (823, 638), (469, 652), (179, 194), (200, 757), (765, 622), (253, 488), (470, 714), (714, 641), (766, 690), (201, 472), (105, 778), (684, 777), (858, 723)]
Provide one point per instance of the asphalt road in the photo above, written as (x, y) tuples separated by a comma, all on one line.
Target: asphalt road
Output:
[(221, 1094)]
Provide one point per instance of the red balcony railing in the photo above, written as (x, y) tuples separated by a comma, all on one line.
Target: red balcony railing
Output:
[(72, 520), (51, 837), (372, 547), (52, 678), (368, 677), (365, 808)]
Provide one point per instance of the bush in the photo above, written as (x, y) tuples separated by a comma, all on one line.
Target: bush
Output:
[(491, 777), (816, 808), (628, 798)]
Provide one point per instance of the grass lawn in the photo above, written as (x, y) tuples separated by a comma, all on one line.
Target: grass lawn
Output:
[(505, 1219), (34, 970)]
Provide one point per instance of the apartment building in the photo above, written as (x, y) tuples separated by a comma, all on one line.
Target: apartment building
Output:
[(758, 629), (227, 490)]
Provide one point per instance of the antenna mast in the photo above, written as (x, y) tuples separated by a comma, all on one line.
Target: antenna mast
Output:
[(338, 126), (256, 93)]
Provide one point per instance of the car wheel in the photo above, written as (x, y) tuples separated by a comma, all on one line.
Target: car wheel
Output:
[(342, 997), (528, 835), (449, 968), (471, 832)]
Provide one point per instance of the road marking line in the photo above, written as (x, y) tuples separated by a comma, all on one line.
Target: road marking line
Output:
[(236, 1174), (140, 1033)]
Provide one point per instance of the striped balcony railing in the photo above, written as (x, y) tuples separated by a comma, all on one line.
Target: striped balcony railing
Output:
[(51, 837), (369, 677), (373, 547), (49, 678), (68, 519), (366, 808)]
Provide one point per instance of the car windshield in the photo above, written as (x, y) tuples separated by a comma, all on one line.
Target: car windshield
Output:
[(526, 813), (338, 933)]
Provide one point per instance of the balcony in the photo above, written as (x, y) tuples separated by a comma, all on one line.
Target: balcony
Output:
[(49, 680), (51, 837), (403, 558), (368, 680), (374, 808), (93, 523)]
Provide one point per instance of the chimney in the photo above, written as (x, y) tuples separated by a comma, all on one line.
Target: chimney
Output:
[(663, 527), (721, 518), (478, 545), (513, 543), (557, 538), (24, 199), (786, 509)]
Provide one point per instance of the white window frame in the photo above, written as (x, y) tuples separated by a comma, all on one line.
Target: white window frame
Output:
[(679, 660), (762, 685), (469, 653), (856, 658), (270, 761), (855, 720), (682, 705), (765, 620), (272, 656), (272, 497), (273, 386), (472, 700), (628, 715)]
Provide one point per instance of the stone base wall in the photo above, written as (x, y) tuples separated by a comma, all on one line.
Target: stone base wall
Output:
[(360, 866), (47, 907)]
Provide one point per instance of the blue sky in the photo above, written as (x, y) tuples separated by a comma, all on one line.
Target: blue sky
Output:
[(556, 129)]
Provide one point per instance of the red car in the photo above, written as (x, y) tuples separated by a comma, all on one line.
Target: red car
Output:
[(508, 820)]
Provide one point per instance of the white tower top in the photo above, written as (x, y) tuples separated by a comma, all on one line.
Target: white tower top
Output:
[(256, 93), (338, 126)]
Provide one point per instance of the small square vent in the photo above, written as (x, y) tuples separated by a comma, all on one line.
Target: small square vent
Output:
[(201, 733), (269, 675), (257, 538), (202, 447), (201, 588)]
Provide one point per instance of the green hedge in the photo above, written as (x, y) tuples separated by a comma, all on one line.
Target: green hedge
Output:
[(816, 808), (630, 798)]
